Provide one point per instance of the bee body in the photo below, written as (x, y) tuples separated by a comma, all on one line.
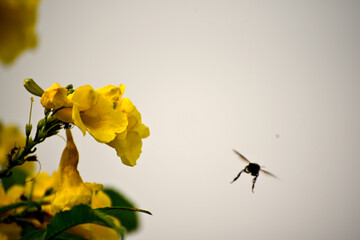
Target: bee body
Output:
[(252, 168)]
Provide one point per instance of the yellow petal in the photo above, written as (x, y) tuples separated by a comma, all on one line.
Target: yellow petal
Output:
[(102, 121), (72, 190), (100, 200), (94, 231), (94, 186), (84, 97), (128, 148), (142, 130), (127, 106), (77, 119), (122, 90), (133, 115), (68, 197), (54, 97), (128, 144), (110, 92), (65, 115)]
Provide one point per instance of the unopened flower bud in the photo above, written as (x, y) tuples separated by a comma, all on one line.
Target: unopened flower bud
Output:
[(41, 124), (28, 129), (32, 87)]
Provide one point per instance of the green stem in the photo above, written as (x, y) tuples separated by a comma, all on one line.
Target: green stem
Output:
[(47, 127)]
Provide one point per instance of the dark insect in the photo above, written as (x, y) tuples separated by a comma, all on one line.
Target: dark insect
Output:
[(252, 168)]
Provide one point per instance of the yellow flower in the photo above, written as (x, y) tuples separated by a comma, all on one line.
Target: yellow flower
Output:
[(11, 137), (103, 113), (88, 109), (17, 24), (128, 143), (55, 97), (72, 190), (95, 113)]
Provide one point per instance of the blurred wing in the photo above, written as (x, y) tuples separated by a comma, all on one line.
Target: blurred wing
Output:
[(241, 156), (268, 173)]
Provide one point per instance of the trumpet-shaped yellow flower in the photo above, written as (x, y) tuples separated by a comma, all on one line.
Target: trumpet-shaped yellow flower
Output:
[(72, 190), (104, 114), (17, 24), (88, 109), (95, 113)]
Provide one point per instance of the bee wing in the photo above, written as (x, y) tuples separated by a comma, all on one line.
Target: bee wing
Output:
[(241, 156), (268, 173)]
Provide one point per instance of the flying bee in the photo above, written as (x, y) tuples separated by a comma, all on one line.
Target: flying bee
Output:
[(252, 168)]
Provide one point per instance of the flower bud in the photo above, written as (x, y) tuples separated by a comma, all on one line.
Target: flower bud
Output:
[(28, 129), (41, 124), (32, 87)]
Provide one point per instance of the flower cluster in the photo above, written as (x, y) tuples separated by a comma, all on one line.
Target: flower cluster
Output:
[(39, 205), (103, 113)]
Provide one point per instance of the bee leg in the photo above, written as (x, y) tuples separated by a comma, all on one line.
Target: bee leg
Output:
[(253, 185), (238, 176)]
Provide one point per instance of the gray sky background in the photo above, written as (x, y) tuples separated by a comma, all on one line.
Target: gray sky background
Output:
[(276, 80)]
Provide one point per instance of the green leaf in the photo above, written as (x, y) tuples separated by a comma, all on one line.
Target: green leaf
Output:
[(17, 177), (26, 228), (128, 219), (35, 235), (117, 211), (77, 215), (20, 204)]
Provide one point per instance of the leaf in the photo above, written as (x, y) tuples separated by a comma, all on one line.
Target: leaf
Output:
[(117, 211), (35, 235), (20, 204), (77, 215), (128, 219), (26, 228)]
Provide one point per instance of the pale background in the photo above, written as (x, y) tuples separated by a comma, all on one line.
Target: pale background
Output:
[(276, 80)]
